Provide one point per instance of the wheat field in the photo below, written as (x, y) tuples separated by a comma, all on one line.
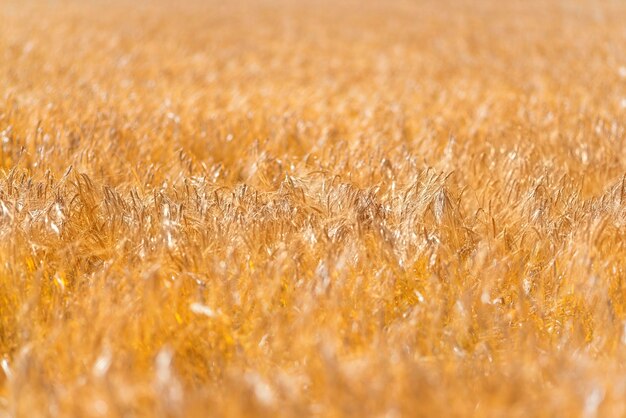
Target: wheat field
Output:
[(282, 208)]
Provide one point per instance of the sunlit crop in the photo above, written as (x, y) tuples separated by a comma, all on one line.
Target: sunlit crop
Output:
[(313, 208)]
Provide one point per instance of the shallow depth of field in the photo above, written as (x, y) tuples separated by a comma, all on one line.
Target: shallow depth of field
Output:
[(312, 208)]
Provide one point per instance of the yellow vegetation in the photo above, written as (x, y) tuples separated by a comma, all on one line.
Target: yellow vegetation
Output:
[(313, 208)]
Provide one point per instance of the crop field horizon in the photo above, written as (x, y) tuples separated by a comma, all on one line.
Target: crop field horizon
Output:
[(281, 208)]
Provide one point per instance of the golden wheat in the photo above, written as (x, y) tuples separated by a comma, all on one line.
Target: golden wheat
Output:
[(299, 208)]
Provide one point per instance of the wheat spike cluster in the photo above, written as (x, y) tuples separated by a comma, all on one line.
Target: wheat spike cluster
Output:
[(281, 208)]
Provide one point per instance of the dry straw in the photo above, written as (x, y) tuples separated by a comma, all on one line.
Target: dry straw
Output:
[(281, 208)]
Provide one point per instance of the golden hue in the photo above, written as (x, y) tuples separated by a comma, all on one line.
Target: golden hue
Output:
[(313, 208)]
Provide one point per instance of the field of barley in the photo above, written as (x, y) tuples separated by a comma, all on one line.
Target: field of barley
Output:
[(294, 208)]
